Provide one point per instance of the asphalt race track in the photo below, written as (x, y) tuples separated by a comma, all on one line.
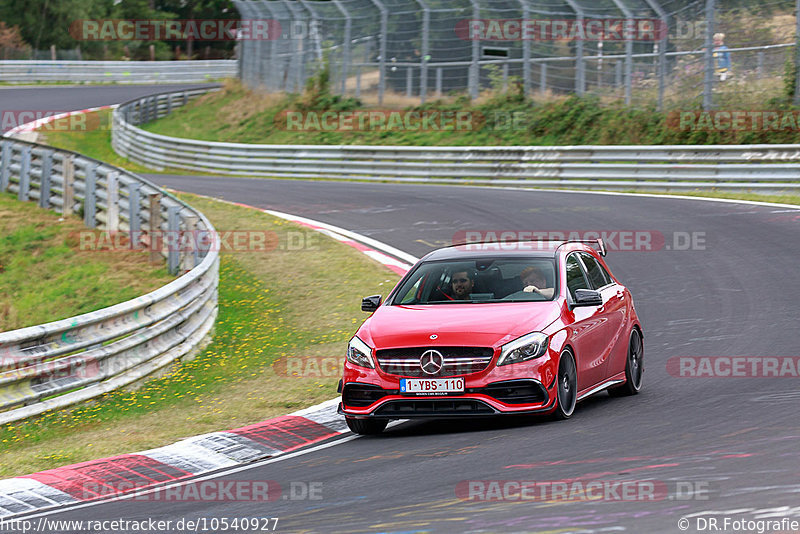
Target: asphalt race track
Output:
[(44, 100), (718, 446)]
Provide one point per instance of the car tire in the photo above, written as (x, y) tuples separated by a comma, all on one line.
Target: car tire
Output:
[(567, 386), (366, 427), (634, 367)]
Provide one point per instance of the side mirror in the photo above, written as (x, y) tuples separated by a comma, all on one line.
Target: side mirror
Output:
[(587, 297), (370, 304)]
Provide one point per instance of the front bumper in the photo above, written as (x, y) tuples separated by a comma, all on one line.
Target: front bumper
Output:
[(522, 396)]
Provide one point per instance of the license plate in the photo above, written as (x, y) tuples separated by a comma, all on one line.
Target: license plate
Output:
[(431, 386)]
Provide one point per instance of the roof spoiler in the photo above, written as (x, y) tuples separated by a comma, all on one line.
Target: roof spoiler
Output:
[(599, 243)]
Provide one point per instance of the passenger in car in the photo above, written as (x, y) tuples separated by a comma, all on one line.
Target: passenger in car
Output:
[(534, 281)]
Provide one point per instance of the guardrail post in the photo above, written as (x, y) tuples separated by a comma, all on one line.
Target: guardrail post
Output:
[(169, 104), (90, 196), (25, 173), (112, 201), (47, 170), (134, 207), (68, 172), (172, 239), (154, 211), (190, 261), (185, 98), (5, 164)]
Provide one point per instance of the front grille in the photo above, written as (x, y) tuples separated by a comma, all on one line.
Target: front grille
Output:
[(438, 407), (360, 395), (457, 361)]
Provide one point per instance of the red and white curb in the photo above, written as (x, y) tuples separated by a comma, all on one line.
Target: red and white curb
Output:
[(187, 458)]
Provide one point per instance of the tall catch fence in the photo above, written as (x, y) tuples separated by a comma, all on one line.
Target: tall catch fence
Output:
[(642, 52)]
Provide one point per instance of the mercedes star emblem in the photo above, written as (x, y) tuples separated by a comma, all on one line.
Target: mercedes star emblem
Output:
[(431, 361)]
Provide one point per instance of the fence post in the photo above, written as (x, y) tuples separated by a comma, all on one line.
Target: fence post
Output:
[(154, 212), (708, 84), (474, 78), (628, 14), (90, 196), (25, 173), (797, 55), (425, 52), (382, 56), (542, 78), (348, 25), (5, 164), (580, 63), (409, 80), (68, 172), (526, 54), (439, 81), (134, 217), (47, 170), (617, 73), (112, 201), (662, 50), (173, 226), (358, 82)]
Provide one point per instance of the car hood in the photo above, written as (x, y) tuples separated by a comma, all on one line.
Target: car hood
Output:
[(479, 325)]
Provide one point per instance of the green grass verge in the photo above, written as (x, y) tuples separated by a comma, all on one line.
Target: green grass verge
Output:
[(272, 304), (46, 275), (237, 114)]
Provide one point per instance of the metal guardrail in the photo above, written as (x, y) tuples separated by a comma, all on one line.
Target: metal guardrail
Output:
[(18, 71), (60, 363), (673, 167)]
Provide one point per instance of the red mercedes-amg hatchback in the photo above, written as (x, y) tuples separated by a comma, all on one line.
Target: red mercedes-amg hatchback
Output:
[(495, 328)]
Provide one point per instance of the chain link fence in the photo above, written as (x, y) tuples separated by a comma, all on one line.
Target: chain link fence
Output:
[(669, 53)]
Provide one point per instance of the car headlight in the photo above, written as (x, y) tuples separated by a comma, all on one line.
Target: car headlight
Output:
[(359, 353), (527, 347)]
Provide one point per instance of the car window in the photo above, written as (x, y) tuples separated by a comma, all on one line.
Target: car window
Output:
[(575, 277), (485, 279), (596, 273)]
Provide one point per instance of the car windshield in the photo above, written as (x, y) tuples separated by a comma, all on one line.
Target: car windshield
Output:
[(480, 280)]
